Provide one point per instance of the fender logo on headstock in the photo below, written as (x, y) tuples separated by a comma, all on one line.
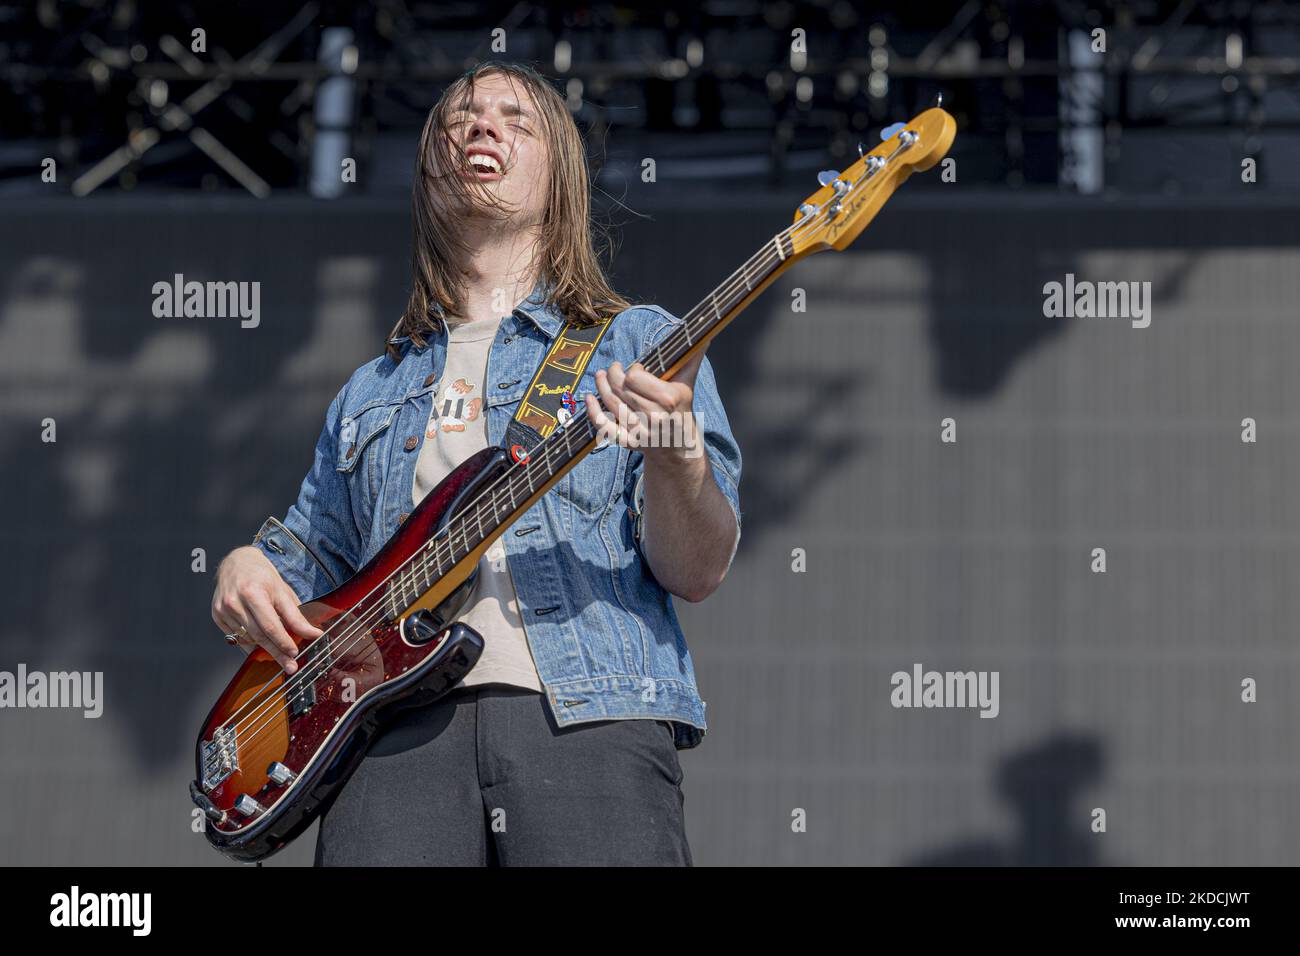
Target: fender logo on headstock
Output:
[(846, 215)]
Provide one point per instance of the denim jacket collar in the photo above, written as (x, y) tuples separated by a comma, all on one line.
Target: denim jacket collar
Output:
[(545, 317), (601, 629)]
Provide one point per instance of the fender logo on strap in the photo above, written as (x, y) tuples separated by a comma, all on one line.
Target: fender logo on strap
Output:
[(554, 388)]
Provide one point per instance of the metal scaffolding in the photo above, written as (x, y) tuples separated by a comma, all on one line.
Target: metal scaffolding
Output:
[(119, 96)]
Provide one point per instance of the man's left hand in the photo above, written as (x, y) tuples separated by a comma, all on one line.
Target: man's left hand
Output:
[(636, 402)]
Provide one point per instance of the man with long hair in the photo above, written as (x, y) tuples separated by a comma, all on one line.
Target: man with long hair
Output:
[(560, 746)]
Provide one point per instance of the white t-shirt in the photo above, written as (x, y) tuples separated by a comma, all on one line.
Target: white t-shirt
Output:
[(457, 428)]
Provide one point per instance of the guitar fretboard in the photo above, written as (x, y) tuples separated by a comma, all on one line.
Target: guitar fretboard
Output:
[(499, 506)]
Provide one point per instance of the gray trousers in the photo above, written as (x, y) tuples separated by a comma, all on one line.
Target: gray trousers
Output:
[(485, 777)]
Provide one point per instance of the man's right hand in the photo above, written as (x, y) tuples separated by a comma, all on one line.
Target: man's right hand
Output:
[(251, 594)]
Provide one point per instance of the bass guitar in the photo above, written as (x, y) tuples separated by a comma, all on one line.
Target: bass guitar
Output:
[(275, 749)]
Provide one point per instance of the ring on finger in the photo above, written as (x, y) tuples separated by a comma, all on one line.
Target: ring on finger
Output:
[(234, 637)]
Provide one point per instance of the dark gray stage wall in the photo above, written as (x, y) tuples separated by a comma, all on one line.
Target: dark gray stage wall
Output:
[(1120, 691)]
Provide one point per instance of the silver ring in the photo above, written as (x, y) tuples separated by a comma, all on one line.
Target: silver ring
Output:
[(234, 637)]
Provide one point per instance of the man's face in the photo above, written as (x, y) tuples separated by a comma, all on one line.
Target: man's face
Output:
[(495, 140)]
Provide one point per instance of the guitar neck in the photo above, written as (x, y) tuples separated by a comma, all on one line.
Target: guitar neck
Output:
[(484, 520), (719, 307)]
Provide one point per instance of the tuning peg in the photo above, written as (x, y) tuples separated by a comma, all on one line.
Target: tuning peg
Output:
[(807, 209), (862, 150), (828, 176), (889, 132)]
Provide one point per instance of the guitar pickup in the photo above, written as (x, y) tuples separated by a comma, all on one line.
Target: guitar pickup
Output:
[(302, 699), (302, 696)]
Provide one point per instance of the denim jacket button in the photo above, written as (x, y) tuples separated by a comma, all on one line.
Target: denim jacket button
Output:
[(411, 443), (360, 459)]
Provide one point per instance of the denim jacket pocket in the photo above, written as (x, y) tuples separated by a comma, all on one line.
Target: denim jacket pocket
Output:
[(361, 439)]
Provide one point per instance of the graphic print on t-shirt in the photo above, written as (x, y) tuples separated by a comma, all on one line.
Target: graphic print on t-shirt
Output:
[(456, 406), (458, 419)]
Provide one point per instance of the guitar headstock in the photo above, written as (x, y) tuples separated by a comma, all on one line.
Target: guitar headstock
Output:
[(832, 217)]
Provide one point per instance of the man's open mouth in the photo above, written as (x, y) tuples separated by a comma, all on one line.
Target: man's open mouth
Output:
[(485, 166)]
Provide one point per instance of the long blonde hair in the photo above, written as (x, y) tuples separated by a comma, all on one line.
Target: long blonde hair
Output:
[(565, 255)]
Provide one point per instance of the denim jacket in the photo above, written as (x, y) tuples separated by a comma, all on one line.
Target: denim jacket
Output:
[(603, 632)]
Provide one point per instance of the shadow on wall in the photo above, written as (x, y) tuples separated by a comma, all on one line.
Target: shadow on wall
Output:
[(986, 304), (1043, 786), (787, 458), (986, 300), (174, 435)]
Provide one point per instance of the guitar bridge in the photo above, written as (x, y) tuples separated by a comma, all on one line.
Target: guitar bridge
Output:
[(220, 758)]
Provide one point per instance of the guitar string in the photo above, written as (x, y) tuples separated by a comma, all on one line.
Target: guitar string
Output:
[(548, 446), (402, 573), (492, 491)]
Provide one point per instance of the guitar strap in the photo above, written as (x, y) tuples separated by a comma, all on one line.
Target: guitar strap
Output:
[(552, 397)]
